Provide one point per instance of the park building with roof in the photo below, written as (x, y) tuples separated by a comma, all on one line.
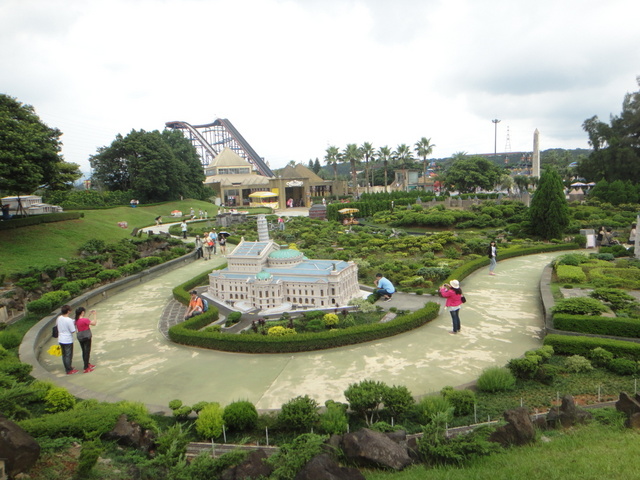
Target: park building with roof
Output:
[(263, 275)]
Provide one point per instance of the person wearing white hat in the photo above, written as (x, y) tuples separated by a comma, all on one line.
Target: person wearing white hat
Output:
[(453, 293)]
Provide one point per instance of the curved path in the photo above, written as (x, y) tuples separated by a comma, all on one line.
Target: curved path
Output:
[(501, 320)]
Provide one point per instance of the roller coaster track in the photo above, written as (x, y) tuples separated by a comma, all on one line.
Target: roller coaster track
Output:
[(211, 138)]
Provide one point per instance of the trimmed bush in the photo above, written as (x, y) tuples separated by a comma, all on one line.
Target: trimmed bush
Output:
[(623, 366), (9, 340), (58, 399), (525, 367), (334, 420), (433, 406), (188, 333), (618, 326), (579, 306), (48, 302), (240, 415), (209, 422), (299, 414), (600, 357), (462, 400), (577, 364), (570, 274), (576, 345), (496, 379)]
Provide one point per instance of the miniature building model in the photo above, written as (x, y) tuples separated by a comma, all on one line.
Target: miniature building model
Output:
[(263, 275)]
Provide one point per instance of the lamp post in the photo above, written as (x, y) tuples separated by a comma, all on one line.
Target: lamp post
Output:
[(495, 136)]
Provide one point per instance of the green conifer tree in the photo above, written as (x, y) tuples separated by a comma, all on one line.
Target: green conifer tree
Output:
[(549, 212)]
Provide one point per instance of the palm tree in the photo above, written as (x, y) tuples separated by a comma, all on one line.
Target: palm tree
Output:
[(331, 158), (384, 154), (353, 155), (423, 149), (367, 152), (402, 157)]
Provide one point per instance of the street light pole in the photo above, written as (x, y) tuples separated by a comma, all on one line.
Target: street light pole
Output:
[(495, 137)]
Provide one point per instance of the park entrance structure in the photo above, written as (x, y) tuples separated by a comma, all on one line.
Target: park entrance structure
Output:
[(235, 171)]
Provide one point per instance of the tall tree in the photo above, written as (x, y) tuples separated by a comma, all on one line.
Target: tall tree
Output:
[(402, 157), (423, 149), (353, 155), (332, 155), (316, 166), (469, 173), (30, 152), (549, 211), (367, 152), (616, 147), (156, 166), (384, 155)]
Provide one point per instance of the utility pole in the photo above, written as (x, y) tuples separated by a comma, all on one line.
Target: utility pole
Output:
[(495, 137)]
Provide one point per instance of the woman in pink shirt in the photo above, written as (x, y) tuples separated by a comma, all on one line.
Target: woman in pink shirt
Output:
[(83, 333), (453, 294)]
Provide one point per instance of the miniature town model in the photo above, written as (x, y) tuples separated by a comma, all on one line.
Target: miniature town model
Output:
[(263, 275)]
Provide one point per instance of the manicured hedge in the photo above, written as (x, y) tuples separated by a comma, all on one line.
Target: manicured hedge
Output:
[(618, 326), (572, 345), (473, 265), (184, 333), (38, 219)]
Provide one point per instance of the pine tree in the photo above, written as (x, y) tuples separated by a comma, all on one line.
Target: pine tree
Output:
[(549, 212)]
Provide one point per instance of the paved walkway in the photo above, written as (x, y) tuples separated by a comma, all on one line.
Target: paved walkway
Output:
[(501, 320)]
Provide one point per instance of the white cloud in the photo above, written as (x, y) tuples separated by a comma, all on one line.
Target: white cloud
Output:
[(296, 76)]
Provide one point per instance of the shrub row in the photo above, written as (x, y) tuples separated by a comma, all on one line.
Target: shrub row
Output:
[(619, 326), (39, 219), (186, 334), (576, 345)]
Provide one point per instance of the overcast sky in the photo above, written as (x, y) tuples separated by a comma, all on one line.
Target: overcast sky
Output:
[(297, 76)]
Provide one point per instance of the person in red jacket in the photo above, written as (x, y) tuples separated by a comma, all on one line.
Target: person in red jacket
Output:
[(453, 294)]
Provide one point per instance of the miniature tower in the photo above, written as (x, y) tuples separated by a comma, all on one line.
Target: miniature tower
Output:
[(263, 229), (535, 162)]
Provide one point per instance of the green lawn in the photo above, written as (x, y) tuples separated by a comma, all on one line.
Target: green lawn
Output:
[(46, 244), (593, 452)]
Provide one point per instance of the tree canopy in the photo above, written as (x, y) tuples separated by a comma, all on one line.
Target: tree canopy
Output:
[(155, 166), (30, 152), (466, 174), (616, 146), (549, 211)]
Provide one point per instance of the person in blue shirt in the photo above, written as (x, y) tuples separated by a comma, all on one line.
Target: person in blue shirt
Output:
[(385, 287)]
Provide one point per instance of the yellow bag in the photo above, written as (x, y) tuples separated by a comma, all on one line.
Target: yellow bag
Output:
[(55, 350)]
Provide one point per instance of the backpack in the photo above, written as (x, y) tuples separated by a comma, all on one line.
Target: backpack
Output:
[(54, 330), (205, 304)]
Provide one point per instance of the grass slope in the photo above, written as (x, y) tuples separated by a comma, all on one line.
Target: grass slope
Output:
[(593, 452), (46, 244)]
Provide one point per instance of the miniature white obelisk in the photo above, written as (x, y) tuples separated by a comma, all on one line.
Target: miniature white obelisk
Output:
[(535, 162)]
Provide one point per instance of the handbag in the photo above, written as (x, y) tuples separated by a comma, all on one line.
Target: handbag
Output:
[(463, 299), (84, 334)]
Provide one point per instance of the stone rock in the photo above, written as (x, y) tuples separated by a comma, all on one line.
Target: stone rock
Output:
[(399, 436), (374, 449), (413, 450), (627, 404), (568, 414), (252, 467), (518, 431), (323, 467), (131, 434), (17, 447), (634, 421), (630, 406)]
